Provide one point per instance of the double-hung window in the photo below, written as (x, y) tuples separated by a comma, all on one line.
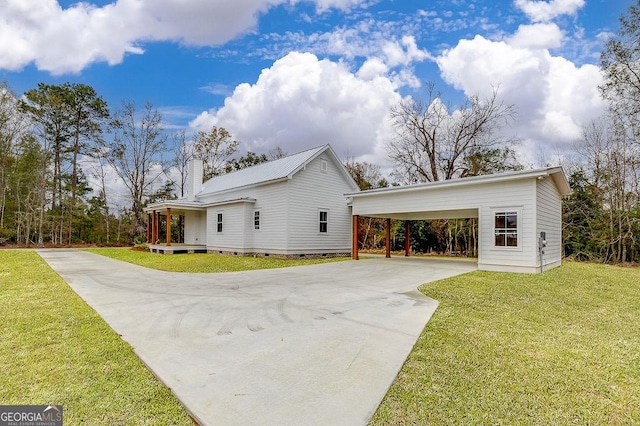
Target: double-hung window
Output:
[(256, 219), (506, 228), (324, 221), (219, 222)]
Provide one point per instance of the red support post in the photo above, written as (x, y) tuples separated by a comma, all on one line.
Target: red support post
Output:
[(148, 228), (356, 232), (168, 226), (388, 235), (153, 227), (407, 237)]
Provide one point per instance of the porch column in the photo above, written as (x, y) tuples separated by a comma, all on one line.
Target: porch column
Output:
[(157, 238), (407, 237), (356, 231), (168, 226), (388, 235), (153, 227), (148, 228)]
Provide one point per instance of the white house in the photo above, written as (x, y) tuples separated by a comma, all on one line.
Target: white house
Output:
[(290, 207), (519, 214), (307, 204)]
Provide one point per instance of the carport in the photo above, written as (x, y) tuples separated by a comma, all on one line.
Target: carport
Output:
[(407, 217), (519, 214)]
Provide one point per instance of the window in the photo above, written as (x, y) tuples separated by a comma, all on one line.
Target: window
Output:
[(506, 229), (324, 166), (324, 221), (219, 222), (256, 219)]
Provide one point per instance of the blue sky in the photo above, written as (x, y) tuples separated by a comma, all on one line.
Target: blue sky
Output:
[(297, 74)]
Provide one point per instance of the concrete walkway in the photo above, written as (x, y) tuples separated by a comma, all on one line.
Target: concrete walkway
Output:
[(312, 345)]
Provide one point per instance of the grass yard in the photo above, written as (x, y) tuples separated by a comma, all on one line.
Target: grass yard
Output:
[(558, 348), (202, 262), (55, 349)]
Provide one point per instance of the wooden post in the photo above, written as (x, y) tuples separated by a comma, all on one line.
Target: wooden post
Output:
[(157, 238), (388, 235), (356, 231), (153, 227), (168, 226), (148, 228), (407, 237)]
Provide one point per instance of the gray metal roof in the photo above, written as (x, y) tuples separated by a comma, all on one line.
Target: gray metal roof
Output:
[(261, 173), (557, 173)]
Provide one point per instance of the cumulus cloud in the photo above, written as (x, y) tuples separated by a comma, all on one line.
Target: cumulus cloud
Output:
[(542, 11), (68, 40), (553, 96), (537, 36), (302, 102)]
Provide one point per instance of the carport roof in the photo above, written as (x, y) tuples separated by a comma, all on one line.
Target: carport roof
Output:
[(556, 173)]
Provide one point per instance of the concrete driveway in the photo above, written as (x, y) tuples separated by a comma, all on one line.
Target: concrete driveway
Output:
[(312, 345)]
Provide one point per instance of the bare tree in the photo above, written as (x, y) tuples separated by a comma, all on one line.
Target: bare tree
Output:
[(432, 144), (135, 154), (13, 126), (182, 153), (612, 160), (620, 63), (214, 148), (276, 153)]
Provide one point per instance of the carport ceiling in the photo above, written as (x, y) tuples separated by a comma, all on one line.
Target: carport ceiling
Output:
[(428, 215)]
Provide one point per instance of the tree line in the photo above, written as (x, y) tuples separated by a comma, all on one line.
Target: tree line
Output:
[(56, 138)]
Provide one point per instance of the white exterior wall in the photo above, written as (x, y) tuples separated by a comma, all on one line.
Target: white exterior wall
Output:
[(549, 220), (272, 201), (487, 198), (233, 235), (195, 227), (289, 214), (310, 191), (508, 196)]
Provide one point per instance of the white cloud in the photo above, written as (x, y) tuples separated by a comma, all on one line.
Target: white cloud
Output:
[(542, 11), (553, 96), (537, 36), (68, 40), (302, 102), (346, 5)]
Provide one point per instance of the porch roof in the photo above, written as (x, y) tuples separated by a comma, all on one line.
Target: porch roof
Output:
[(183, 205)]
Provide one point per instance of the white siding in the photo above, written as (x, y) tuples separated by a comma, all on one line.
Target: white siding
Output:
[(232, 237), (272, 201), (487, 198), (289, 211), (549, 220), (195, 227), (312, 190)]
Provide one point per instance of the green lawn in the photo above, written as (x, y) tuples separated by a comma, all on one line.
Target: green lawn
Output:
[(55, 349), (558, 348), (201, 262)]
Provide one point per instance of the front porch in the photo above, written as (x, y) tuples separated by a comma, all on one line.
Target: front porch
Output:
[(175, 248)]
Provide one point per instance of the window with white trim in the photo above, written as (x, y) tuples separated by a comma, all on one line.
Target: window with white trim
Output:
[(256, 219), (506, 228), (219, 222), (324, 221), (324, 166)]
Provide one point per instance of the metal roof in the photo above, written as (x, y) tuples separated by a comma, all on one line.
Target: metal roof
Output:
[(265, 172), (556, 173)]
